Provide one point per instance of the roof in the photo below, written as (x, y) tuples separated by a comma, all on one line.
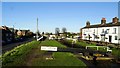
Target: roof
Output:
[(105, 25)]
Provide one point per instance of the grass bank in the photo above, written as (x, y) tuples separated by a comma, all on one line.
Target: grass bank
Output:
[(115, 51), (59, 59), (52, 43), (17, 55), (29, 54)]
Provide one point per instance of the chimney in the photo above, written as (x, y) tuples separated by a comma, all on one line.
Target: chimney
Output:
[(87, 24), (115, 20), (103, 21)]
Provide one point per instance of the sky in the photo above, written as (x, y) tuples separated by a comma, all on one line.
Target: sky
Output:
[(119, 9), (60, 0), (72, 15), (0, 13)]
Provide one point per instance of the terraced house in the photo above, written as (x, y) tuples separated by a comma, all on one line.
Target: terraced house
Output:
[(105, 32), (7, 35)]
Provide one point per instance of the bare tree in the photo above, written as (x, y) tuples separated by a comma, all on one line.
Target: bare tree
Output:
[(57, 30), (64, 30)]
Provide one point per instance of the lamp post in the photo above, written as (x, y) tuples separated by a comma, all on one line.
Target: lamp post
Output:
[(37, 30), (13, 32), (14, 27)]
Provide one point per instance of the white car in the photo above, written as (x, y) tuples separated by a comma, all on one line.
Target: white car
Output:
[(50, 38), (68, 38)]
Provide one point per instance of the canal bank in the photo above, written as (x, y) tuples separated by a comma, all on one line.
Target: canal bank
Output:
[(104, 62)]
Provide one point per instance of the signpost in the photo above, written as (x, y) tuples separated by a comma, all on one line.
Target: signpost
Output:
[(48, 48)]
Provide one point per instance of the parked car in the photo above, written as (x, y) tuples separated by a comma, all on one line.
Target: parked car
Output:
[(59, 38)]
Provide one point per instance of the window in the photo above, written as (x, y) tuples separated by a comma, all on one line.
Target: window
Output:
[(94, 31), (114, 30), (6, 34), (84, 31), (102, 30), (10, 34), (97, 37), (107, 31), (115, 37)]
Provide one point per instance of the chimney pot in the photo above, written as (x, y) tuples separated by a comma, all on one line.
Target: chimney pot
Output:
[(115, 20), (87, 23), (103, 21)]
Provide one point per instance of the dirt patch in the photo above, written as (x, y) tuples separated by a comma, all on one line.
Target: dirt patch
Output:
[(48, 55), (31, 55), (35, 54)]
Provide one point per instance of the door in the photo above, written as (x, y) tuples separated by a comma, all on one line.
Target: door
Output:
[(110, 38)]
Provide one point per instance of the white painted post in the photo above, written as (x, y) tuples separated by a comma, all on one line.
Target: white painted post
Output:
[(86, 47), (97, 47)]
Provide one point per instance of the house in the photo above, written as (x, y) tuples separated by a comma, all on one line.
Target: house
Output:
[(23, 32), (105, 32), (11, 29), (51, 37), (62, 34), (7, 35), (19, 32)]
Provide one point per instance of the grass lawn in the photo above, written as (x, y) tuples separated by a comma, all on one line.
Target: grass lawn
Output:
[(59, 59), (52, 43), (82, 43), (29, 54), (115, 51)]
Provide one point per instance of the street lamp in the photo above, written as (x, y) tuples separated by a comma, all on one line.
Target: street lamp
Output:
[(14, 27), (14, 30), (37, 30)]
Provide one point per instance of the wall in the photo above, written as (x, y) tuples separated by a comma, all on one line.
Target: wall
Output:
[(119, 33), (98, 32)]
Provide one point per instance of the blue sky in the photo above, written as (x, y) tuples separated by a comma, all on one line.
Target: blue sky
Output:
[(60, 0), (0, 13), (72, 15)]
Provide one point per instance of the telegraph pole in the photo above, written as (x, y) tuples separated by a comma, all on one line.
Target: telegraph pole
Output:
[(37, 30), (14, 29)]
